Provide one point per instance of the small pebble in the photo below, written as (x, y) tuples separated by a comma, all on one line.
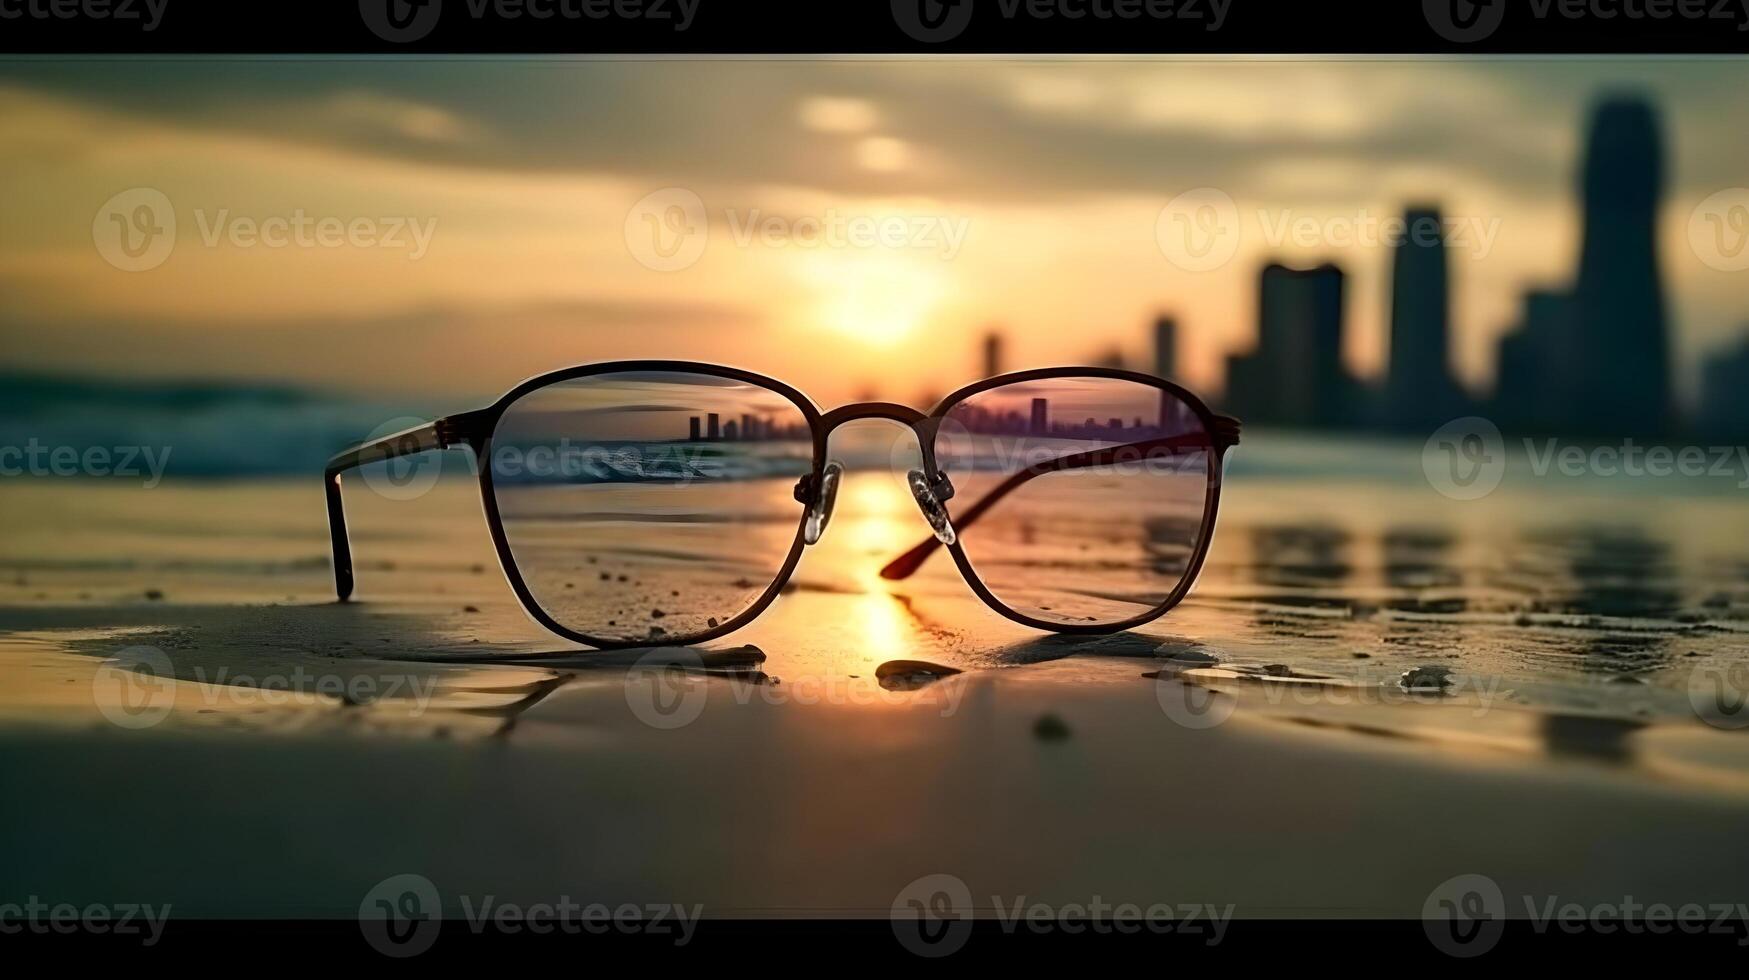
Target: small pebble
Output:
[(657, 614), (470, 609), (1050, 728), (154, 595), (712, 622), (1425, 679)]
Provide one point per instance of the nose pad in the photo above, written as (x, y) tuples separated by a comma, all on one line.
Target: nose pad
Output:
[(931, 496), (820, 511)]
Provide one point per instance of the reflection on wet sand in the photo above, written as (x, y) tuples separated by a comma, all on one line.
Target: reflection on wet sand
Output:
[(1560, 634)]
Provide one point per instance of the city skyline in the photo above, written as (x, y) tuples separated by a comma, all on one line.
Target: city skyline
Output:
[(529, 266)]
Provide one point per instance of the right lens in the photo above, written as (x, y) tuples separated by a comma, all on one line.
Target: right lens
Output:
[(649, 506), (1079, 501)]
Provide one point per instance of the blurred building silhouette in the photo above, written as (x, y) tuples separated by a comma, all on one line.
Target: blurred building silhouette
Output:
[(1597, 362), (1621, 347), (1525, 398), (1724, 393), (992, 354), (1165, 347), (1295, 376), (1419, 389)]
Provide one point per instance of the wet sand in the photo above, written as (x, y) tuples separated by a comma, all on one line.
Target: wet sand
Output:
[(1257, 748)]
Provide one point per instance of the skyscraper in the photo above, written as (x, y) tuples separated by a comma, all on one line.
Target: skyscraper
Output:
[(992, 354), (1618, 349), (1419, 390), (1526, 396), (1165, 347), (712, 430), (1295, 376), (1040, 416)]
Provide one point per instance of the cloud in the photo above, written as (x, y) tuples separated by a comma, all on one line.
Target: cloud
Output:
[(992, 130)]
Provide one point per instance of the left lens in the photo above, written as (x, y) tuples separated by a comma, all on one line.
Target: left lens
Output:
[(649, 506), (1079, 501)]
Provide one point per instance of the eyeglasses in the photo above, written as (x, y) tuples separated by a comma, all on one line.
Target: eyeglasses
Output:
[(639, 502)]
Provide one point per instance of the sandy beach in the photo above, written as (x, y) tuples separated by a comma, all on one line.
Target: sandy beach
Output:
[(1259, 749)]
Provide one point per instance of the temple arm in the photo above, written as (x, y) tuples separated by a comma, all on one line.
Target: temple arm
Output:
[(440, 434), (1226, 434)]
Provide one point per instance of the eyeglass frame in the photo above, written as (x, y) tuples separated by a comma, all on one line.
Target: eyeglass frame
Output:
[(475, 430)]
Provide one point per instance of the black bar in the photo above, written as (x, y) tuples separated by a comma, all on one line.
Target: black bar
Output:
[(871, 26)]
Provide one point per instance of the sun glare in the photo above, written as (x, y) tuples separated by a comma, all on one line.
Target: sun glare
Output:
[(877, 298)]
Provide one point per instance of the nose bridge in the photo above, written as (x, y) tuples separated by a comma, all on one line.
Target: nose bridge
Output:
[(926, 484), (920, 425), (902, 414)]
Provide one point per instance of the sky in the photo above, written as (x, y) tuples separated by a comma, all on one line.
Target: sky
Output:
[(850, 226)]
